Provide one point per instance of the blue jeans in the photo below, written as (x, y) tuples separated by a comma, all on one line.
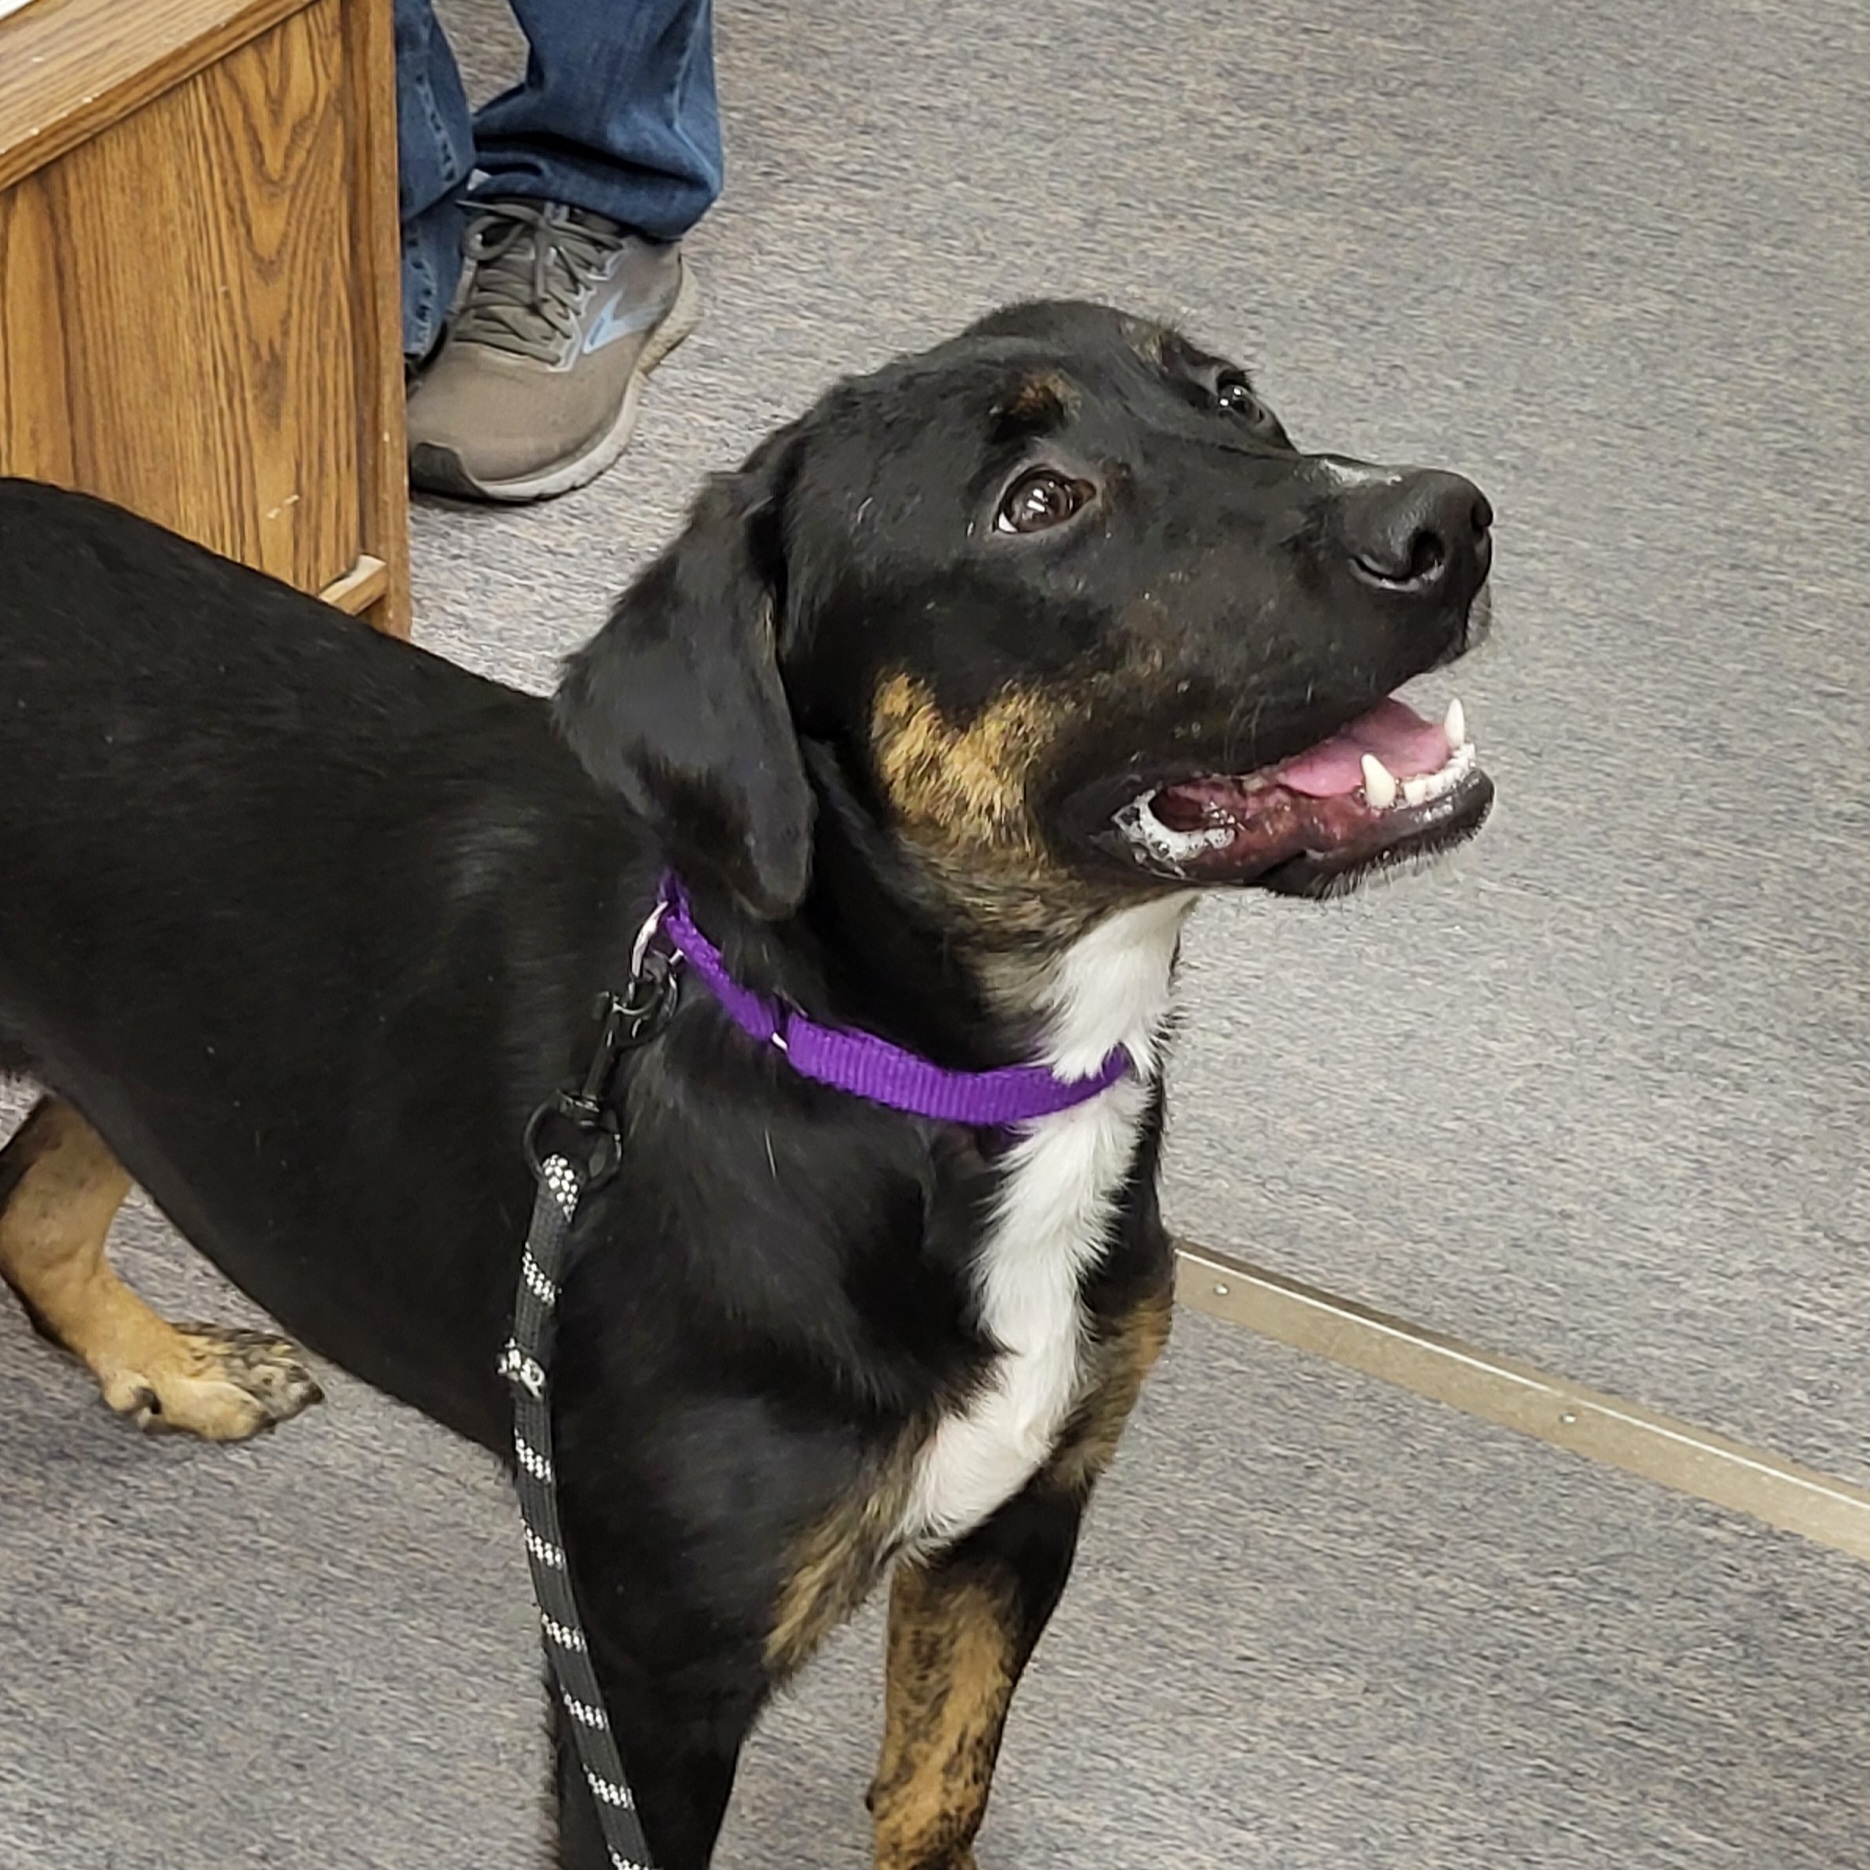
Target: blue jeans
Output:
[(616, 114)]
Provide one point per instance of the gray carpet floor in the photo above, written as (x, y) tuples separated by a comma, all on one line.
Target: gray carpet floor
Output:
[(1594, 1094)]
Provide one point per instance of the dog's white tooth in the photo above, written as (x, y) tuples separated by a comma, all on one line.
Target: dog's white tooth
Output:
[(1455, 726), (1379, 783)]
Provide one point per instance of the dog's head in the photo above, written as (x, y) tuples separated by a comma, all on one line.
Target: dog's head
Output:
[(1054, 614)]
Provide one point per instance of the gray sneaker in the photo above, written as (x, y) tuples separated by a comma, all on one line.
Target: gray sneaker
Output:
[(535, 387)]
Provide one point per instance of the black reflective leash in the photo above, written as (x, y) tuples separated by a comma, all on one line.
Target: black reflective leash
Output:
[(574, 1145)]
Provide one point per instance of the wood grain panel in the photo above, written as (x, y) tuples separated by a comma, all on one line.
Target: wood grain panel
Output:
[(69, 68), (375, 274), (36, 434), (192, 299)]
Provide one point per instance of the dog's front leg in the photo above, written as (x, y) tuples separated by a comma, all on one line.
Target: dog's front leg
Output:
[(679, 1760), (961, 1630), (963, 1626)]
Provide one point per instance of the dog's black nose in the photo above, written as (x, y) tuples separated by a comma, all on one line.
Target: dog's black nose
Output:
[(1419, 531)]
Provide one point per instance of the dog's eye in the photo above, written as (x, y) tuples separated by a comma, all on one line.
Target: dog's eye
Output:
[(1235, 394), (1040, 499)]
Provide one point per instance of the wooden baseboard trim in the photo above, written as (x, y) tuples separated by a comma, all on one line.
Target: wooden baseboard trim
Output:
[(1625, 1435), (360, 587)]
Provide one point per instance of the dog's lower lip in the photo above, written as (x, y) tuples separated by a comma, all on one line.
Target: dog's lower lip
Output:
[(1334, 808)]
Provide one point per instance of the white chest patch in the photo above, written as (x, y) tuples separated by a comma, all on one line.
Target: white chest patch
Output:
[(1051, 1226)]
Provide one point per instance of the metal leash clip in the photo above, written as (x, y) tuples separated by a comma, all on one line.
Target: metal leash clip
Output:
[(580, 1112)]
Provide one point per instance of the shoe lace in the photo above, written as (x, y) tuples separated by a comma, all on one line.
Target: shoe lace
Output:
[(533, 269)]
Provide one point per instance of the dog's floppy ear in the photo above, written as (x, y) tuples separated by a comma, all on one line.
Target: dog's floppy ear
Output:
[(678, 705)]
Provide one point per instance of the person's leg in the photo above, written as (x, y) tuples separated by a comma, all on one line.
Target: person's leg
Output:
[(435, 154), (620, 118), (595, 166)]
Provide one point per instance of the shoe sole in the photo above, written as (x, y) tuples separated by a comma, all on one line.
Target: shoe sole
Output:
[(439, 470)]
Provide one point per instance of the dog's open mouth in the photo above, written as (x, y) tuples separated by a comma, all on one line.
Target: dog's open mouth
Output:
[(1385, 788)]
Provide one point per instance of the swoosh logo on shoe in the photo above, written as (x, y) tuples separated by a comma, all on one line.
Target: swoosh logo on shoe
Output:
[(609, 327)]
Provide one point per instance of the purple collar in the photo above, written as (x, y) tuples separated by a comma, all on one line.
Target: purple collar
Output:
[(867, 1066)]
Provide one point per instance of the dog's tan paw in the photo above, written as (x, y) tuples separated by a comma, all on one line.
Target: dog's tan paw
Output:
[(214, 1381)]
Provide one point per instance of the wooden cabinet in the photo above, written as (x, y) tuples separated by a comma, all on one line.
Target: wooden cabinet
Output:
[(199, 277)]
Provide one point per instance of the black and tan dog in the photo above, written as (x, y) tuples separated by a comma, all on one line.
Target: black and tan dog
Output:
[(944, 708)]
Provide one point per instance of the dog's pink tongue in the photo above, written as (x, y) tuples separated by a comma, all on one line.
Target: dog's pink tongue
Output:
[(1392, 730)]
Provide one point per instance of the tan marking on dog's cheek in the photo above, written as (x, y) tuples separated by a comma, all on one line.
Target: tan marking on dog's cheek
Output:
[(958, 799), (1121, 1363), (965, 788), (950, 1682), (835, 1565)]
